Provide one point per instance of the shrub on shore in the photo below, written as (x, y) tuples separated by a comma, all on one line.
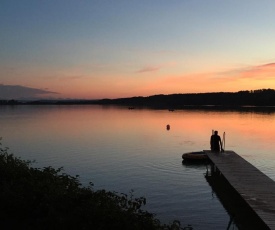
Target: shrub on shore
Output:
[(33, 198)]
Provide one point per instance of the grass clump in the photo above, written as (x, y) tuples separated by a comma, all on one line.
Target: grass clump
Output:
[(48, 198)]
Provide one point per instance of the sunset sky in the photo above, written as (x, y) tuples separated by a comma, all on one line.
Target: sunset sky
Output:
[(93, 49)]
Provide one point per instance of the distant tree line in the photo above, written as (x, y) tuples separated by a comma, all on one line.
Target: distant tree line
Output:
[(261, 98), (9, 102)]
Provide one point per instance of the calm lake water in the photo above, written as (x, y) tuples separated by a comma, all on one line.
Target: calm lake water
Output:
[(122, 150)]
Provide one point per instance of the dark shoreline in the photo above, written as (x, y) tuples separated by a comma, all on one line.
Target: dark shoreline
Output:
[(248, 101)]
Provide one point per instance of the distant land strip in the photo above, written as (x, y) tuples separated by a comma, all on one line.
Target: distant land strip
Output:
[(219, 100)]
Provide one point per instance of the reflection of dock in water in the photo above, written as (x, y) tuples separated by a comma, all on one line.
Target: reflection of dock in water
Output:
[(247, 193)]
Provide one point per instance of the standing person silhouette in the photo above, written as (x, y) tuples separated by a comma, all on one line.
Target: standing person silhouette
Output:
[(215, 142)]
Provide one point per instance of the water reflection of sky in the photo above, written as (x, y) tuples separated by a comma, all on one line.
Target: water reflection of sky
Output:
[(121, 149)]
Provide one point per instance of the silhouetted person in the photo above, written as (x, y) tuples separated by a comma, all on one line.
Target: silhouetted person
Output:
[(215, 142)]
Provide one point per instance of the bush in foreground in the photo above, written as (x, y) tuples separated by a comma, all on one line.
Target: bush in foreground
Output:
[(33, 198)]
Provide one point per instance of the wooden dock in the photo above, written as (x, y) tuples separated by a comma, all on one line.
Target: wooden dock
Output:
[(257, 190)]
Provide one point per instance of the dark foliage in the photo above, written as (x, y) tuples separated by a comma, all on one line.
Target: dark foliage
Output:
[(33, 198), (9, 102), (218, 100), (263, 97)]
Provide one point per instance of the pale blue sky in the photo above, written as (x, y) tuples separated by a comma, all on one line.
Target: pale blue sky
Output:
[(127, 48)]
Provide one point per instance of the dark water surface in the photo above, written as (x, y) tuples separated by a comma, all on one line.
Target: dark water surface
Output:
[(122, 150)]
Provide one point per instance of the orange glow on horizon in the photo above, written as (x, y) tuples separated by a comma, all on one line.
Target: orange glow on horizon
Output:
[(76, 84)]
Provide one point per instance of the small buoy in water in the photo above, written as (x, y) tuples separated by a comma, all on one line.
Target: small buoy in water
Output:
[(168, 127)]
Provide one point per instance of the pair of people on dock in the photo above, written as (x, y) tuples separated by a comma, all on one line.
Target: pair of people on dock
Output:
[(215, 142)]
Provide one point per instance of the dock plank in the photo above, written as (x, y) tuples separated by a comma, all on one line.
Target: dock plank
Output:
[(257, 189)]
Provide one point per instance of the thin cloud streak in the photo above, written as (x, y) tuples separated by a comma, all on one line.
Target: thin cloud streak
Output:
[(265, 71), (154, 68), (71, 78), (259, 73), (149, 69), (255, 77)]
